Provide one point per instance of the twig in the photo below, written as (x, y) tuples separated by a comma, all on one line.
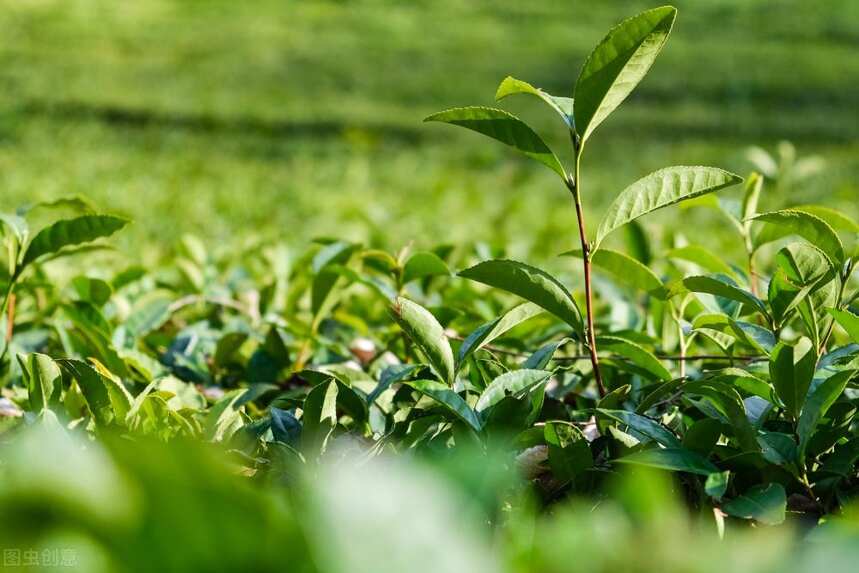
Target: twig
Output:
[(669, 357), (574, 185)]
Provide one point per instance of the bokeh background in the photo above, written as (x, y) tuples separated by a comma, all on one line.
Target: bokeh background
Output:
[(294, 120)]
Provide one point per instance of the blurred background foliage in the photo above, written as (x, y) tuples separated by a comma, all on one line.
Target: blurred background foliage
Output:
[(134, 505), (298, 119)]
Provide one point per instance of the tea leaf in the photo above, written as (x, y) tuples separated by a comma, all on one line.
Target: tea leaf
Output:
[(70, 232), (661, 189), (423, 328), (504, 127), (617, 64), (531, 284)]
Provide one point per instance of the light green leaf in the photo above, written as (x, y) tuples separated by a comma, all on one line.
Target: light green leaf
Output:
[(704, 258), (763, 503), (107, 398), (423, 328), (504, 127), (833, 217), (623, 268), (41, 376), (848, 321), (488, 332), (16, 224), (531, 284), (149, 315), (224, 418), (636, 354), (563, 106), (780, 224), (661, 189), (448, 398), (70, 232), (511, 383), (674, 459), (617, 64), (423, 264)]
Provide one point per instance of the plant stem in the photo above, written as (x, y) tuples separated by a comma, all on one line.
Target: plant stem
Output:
[(574, 185), (845, 278), (10, 318), (753, 274)]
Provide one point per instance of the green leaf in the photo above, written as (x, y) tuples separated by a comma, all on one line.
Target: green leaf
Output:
[(326, 264), (643, 425), (818, 403), (449, 399), (224, 418), (802, 270), (391, 375), (833, 217), (504, 127), (563, 106), (623, 268), (780, 224), (763, 503), (106, 397), (492, 330), (617, 64), (319, 415), (70, 232), (704, 258), (511, 383), (728, 406), (423, 328), (41, 376), (722, 286), (660, 189), (423, 264), (674, 459), (717, 484), (569, 452), (149, 315), (284, 426), (791, 371), (16, 224), (702, 436), (636, 354), (530, 283), (848, 321)]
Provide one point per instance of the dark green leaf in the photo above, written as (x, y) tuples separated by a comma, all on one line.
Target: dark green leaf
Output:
[(449, 399), (504, 127), (763, 503), (531, 284), (674, 459), (70, 232)]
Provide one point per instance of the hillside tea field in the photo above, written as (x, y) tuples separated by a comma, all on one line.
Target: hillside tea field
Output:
[(370, 287)]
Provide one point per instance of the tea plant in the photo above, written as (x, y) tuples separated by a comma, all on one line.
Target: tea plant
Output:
[(618, 63), (738, 379)]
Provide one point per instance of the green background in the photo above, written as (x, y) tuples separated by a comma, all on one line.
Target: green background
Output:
[(293, 120)]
